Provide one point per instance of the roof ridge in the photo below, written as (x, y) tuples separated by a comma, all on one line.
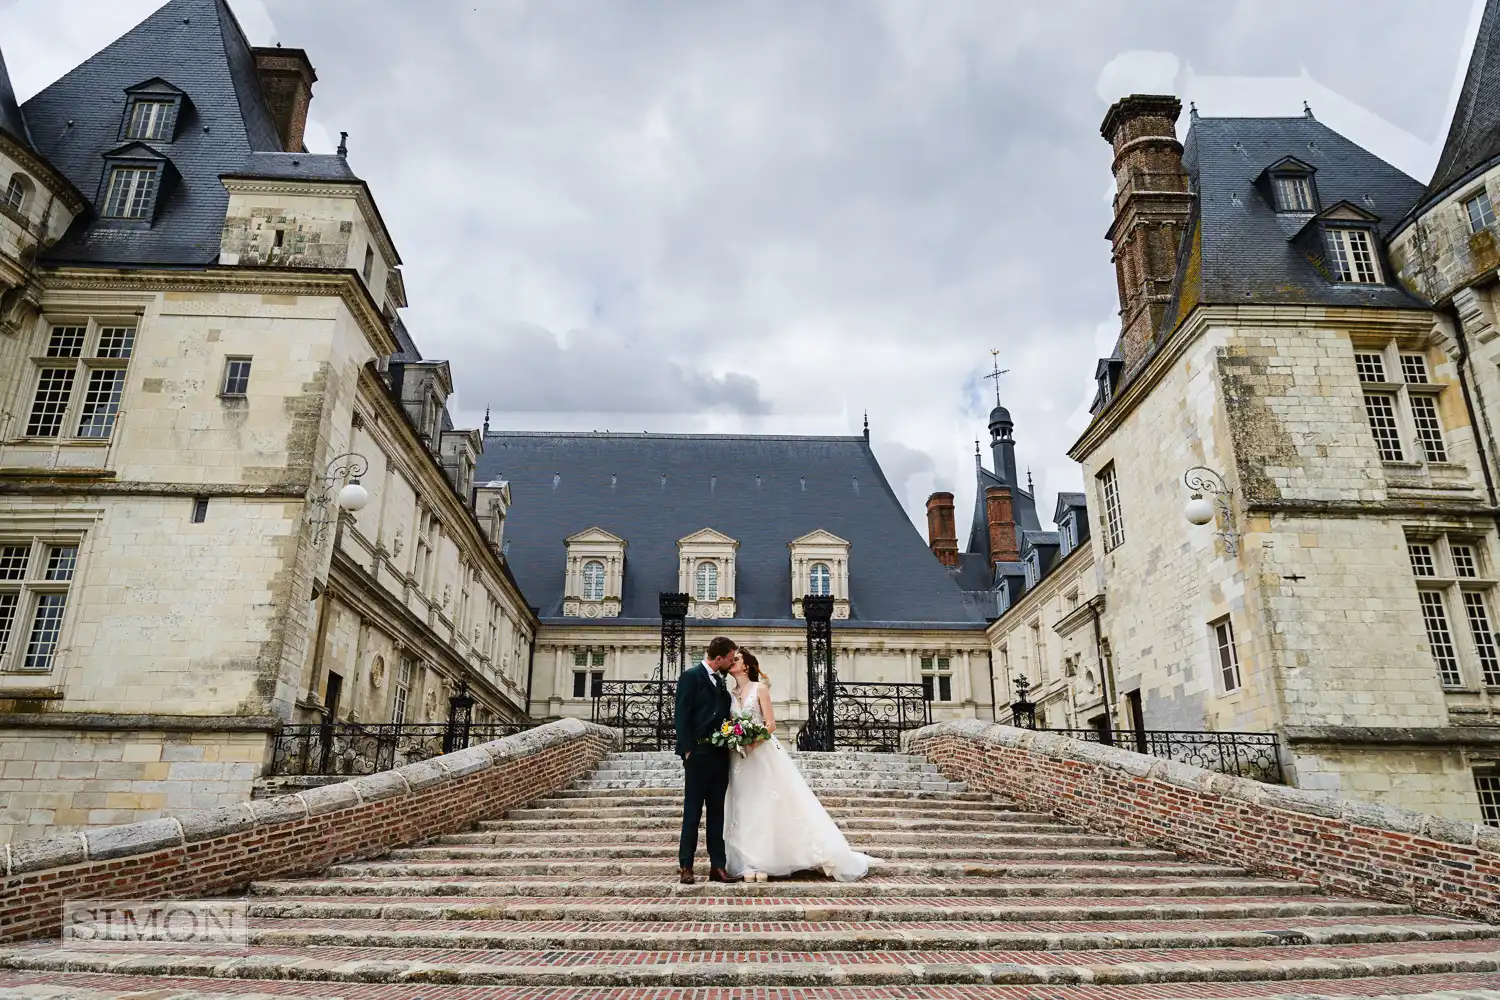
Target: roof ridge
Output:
[(676, 436)]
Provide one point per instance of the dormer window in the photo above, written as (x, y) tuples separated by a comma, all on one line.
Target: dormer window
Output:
[(1294, 193), (820, 580), (1481, 212), (132, 193), (16, 191), (593, 580), (151, 120), (1352, 255), (708, 582)]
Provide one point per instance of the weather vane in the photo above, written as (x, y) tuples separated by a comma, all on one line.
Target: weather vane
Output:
[(997, 373)]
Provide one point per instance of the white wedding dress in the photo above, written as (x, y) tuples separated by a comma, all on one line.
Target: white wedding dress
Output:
[(773, 822)]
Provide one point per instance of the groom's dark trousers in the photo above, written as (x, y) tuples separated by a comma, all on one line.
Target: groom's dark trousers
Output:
[(702, 706)]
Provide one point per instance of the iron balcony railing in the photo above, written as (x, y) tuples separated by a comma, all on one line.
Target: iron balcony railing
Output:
[(354, 748), (641, 710), (872, 716), (1244, 755)]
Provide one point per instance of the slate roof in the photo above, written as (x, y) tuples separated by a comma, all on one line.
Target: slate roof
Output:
[(294, 166), (1474, 135), (11, 120), (1237, 249), (198, 47), (653, 489), (1022, 506)]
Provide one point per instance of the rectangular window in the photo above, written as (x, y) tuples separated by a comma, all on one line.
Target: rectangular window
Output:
[(598, 657), (1293, 194), (1484, 637), (1371, 367), (66, 341), (1228, 657), (8, 605), (1464, 563), (369, 267), (1414, 369), (402, 691), (1487, 784), (1481, 213), (1114, 519), (1353, 256), (46, 626), (150, 120), (131, 191), (200, 510), (580, 683), (596, 684), (54, 389), (101, 402), (1422, 563), (1380, 409), (1424, 415), (937, 678), (1440, 637), (236, 377)]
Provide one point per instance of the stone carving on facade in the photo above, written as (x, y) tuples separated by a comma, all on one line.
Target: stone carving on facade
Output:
[(377, 673), (594, 584), (820, 564)]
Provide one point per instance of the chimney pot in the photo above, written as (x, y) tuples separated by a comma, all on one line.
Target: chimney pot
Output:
[(942, 532), (286, 78), (1000, 513)]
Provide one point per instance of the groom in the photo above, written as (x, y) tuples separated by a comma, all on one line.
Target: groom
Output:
[(702, 706)]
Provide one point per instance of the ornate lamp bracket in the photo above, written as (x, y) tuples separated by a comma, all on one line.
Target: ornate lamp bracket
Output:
[(1200, 480), (333, 487)]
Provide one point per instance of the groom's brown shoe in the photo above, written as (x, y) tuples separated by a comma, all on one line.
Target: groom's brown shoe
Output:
[(720, 875), (685, 876)]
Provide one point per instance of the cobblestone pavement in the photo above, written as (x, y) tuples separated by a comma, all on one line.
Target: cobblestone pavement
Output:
[(575, 897)]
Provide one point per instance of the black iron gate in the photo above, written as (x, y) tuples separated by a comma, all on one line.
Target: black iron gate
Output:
[(872, 716), (645, 711), (818, 733)]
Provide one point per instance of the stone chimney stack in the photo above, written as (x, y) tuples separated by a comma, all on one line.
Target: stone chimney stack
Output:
[(286, 78), (942, 532), (1152, 205), (1000, 513)]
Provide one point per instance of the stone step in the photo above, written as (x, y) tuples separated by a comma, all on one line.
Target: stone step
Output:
[(1245, 955), (816, 784), (839, 756), (640, 888), (668, 851), (629, 768), (868, 910), (665, 836), (669, 820), (55, 985), (673, 807), (609, 868), (952, 800)]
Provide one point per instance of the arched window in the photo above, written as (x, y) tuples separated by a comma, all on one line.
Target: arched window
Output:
[(708, 582), (820, 580), (16, 191), (593, 580)]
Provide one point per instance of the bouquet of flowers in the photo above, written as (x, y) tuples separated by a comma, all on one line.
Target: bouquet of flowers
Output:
[(739, 732)]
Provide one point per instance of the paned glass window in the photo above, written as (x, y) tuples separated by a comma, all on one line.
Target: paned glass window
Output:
[(150, 120), (97, 360), (1380, 409), (54, 390), (593, 580), (1481, 213), (1422, 563), (1353, 256), (236, 377), (1414, 369), (1294, 194), (1487, 784), (937, 678), (1478, 614), (1424, 416), (707, 582), (34, 580), (1114, 517), (820, 580), (132, 191), (101, 402), (402, 690), (1371, 367), (1440, 637), (15, 192), (1228, 658), (1464, 563)]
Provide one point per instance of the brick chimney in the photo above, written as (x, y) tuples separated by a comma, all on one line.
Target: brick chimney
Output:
[(286, 78), (942, 533), (1002, 519), (1152, 204)]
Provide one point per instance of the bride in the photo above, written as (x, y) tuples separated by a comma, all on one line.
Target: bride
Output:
[(773, 823)]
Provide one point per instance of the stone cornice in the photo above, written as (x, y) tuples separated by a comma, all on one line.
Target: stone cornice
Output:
[(238, 279), (139, 722), (59, 184), (356, 189), (1355, 321)]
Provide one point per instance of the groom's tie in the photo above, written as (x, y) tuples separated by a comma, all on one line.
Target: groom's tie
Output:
[(719, 683)]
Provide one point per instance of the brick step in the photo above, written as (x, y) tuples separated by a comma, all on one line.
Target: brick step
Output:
[(667, 836), (867, 910), (668, 888), (951, 800), (606, 868), (669, 821), (53, 985), (668, 850), (1250, 962)]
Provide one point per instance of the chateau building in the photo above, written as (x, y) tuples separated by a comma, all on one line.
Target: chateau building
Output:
[(199, 348), (603, 524)]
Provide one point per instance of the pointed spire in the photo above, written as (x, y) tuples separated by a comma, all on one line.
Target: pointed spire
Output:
[(995, 360), (867, 425), (1307, 109), (977, 462), (486, 421), (1030, 486)]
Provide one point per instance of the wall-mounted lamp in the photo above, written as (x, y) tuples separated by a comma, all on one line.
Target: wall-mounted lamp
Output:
[(1200, 509), (343, 474)]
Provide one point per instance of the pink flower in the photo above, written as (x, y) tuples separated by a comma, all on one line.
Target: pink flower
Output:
[(738, 731)]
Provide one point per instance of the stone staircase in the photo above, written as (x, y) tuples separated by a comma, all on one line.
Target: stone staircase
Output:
[(575, 896)]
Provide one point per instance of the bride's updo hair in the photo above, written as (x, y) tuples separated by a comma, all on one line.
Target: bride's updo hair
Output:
[(752, 667)]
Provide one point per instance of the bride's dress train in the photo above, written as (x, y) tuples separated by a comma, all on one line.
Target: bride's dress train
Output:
[(773, 822)]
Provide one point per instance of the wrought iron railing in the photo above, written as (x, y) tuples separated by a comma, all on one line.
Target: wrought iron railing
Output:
[(644, 711), (872, 716), (354, 748), (1244, 755)]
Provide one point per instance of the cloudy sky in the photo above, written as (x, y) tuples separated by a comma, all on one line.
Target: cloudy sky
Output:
[(770, 216)]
